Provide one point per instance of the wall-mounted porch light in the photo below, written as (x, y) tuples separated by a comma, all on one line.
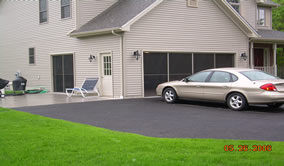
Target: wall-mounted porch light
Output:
[(136, 54), (92, 58), (244, 56)]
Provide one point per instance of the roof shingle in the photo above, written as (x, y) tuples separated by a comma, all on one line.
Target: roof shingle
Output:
[(269, 3), (271, 34), (116, 16)]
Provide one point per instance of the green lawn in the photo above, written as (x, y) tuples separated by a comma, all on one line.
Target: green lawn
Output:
[(27, 139)]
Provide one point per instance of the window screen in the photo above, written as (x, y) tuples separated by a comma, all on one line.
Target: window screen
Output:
[(203, 61), (180, 65)]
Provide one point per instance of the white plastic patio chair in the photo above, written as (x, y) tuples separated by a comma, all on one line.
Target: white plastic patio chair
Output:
[(89, 86)]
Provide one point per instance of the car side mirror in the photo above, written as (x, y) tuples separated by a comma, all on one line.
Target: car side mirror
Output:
[(186, 80)]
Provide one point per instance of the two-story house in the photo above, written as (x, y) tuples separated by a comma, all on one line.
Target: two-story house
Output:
[(132, 45)]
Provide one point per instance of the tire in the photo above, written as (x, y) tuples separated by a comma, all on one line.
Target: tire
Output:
[(237, 102), (170, 95), (275, 105)]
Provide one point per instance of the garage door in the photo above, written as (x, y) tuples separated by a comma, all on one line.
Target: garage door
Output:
[(161, 67)]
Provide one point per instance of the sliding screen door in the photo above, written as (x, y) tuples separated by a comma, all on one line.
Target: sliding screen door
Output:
[(63, 74), (155, 72)]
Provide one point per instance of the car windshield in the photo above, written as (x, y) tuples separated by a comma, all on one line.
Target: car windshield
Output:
[(258, 75)]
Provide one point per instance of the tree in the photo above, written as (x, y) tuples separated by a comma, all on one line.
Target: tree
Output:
[(278, 16)]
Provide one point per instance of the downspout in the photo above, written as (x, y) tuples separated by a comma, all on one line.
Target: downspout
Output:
[(121, 63), (251, 52)]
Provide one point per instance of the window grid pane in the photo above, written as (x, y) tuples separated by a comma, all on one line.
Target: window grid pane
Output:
[(261, 16), (107, 65), (43, 17), (31, 56)]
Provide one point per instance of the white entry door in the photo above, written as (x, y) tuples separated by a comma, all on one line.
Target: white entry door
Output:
[(106, 75)]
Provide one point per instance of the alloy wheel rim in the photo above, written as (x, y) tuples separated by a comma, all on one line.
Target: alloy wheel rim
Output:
[(236, 102), (169, 95)]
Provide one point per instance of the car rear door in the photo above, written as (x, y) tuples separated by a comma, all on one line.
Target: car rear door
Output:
[(217, 86)]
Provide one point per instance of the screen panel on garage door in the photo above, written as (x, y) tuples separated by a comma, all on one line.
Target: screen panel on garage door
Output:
[(224, 60), (203, 62), (155, 72), (180, 65)]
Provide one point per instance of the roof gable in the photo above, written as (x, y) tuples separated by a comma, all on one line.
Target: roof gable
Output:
[(237, 18)]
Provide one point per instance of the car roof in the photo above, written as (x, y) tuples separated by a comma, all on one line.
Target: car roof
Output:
[(232, 69)]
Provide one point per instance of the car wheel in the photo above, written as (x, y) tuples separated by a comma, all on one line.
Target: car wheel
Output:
[(275, 105), (170, 95), (237, 102)]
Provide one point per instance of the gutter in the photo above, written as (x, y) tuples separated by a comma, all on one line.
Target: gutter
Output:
[(121, 63), (96, 32), (268, 40)]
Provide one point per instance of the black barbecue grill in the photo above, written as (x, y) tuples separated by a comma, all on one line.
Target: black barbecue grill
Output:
[(3, 83)]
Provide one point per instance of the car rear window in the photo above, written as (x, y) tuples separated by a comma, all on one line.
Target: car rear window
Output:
[(258, 75)]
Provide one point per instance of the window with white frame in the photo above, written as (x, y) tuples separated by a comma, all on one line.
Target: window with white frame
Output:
[(42, 11), (261, 16), (65, 8), (235, 4), (192, 3), (31, 56)]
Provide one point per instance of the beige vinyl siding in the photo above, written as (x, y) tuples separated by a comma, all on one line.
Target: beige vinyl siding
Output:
[(166, 29), (248, 11), (95, 46), (88, 9), (22, 31)]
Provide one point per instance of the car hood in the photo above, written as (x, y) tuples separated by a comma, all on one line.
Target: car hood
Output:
[(171, 82)]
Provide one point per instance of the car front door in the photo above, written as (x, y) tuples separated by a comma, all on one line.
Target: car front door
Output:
[(192, 87), (217, 86)]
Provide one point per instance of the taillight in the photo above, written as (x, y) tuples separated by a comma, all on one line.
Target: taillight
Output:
[(268, 87)]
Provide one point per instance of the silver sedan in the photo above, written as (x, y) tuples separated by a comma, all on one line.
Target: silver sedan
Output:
[(235, 86)]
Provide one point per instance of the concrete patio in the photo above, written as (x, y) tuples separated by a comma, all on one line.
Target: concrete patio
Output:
[(45, 99)]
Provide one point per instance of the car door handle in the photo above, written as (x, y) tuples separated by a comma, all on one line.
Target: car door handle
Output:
[(225, 86)]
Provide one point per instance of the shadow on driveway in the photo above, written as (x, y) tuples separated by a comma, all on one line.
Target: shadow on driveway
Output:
[(254, 108), (153, 117)]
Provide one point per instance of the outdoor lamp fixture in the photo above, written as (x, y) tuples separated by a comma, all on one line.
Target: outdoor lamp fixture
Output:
[(244, 56), (136, 54), (92, 58)]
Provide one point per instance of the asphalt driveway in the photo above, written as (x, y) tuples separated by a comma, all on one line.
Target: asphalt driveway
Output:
[(153, 117)]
